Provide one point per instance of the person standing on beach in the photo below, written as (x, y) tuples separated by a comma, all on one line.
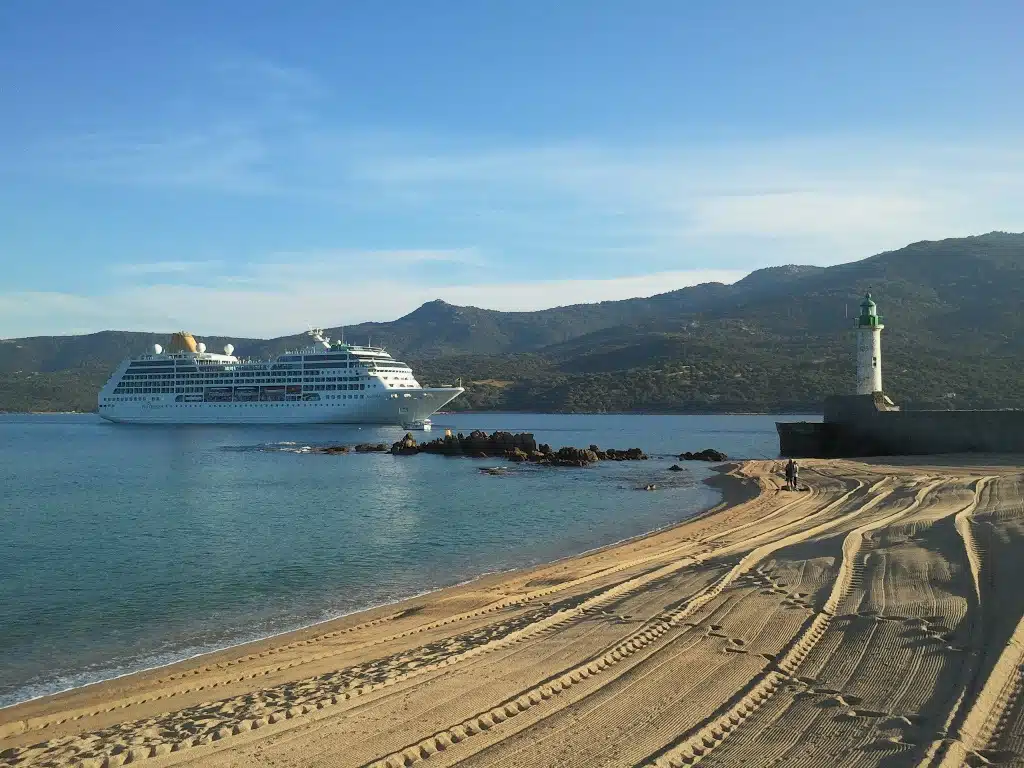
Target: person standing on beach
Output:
[(790, 473), (796, 476)]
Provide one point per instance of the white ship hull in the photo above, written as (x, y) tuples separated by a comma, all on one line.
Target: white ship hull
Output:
[(321, 384), (411, 408)]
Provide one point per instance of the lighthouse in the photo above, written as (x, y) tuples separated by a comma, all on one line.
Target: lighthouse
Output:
[(869, 348)]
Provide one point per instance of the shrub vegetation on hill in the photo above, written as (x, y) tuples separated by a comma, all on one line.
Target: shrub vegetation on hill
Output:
[(779, 340)]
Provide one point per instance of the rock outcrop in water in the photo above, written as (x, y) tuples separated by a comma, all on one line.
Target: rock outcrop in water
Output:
[(708, 454), (519, 447), (333, 450), (372, 448)]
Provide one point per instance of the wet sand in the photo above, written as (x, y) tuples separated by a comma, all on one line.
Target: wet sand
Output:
[(876, 618)]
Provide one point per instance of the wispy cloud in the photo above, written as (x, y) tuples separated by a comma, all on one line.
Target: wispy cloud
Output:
[(224, 160), (163, 268), (824, 199), (240, 138), (813, 212), (482, 220), (251, 72), (282, 267), (298, 296), (369, 260), (272, 134)]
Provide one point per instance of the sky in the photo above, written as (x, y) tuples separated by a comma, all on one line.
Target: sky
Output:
[(252, 168)]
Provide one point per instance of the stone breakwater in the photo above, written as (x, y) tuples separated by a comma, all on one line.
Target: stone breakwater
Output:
[(519, 447)]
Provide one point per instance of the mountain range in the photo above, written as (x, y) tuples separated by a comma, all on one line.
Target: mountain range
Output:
[(780, 339)]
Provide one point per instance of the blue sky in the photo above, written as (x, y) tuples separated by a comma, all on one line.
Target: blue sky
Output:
[(250, 167)]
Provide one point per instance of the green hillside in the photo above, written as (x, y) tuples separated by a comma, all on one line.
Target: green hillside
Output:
[(779, 340)]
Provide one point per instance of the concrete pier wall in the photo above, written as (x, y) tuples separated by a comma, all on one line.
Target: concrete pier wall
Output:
[(862, 425)]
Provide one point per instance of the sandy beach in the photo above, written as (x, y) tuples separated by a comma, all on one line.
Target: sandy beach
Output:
[(875, 618)]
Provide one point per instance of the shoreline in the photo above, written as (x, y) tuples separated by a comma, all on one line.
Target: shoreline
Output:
[(875, 615), (509, 413), (731, 490)]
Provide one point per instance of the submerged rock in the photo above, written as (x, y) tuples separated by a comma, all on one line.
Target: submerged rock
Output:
[(334, 450)]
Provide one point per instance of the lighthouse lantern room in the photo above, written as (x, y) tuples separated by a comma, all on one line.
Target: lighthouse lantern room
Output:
[(869, 348)]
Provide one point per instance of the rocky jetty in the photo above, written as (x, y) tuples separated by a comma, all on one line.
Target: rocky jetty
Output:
[(519, 447), (708, 454)]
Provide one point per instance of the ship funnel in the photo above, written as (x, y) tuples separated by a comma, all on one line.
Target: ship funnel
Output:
[(182, 341)]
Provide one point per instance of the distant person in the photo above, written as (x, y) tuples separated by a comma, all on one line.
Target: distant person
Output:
[(790, 473), (796, 476)]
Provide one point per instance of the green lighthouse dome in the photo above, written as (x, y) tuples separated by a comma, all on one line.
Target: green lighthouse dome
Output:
[(869, 316)]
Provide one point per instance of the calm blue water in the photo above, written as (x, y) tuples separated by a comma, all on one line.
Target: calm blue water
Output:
[(125, 547)]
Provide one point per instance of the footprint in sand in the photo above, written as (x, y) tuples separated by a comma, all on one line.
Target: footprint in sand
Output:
[(825, 691), (887, 742), (997, 756), (897, 722), (831, 701)]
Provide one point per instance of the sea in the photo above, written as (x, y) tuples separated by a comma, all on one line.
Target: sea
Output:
[(129, 547)]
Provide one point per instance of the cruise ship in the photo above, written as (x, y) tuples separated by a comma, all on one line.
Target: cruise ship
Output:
[(325, 383)]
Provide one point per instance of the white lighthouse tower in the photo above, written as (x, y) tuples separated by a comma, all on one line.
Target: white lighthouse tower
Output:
[(869, 348)]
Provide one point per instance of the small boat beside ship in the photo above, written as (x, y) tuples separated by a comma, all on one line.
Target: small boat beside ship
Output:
[(324, 383)]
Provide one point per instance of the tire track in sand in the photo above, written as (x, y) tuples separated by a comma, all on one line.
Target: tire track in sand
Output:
[(981, 716), (696, 744), (652, 631)]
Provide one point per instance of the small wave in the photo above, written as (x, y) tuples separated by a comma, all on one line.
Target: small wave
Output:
[(289, 446), (233, 637)]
